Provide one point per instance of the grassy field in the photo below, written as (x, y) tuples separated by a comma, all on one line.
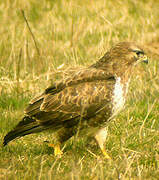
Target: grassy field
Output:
[(66, 34)]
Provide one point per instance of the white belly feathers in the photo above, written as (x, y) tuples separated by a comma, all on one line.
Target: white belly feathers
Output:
[(118, 96)]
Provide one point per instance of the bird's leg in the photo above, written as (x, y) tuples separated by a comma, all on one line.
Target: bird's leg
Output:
[(100, 136), (61, 136), (57, 150)]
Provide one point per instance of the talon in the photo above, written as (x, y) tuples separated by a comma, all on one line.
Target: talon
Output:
[(105, 154), (57, 150)]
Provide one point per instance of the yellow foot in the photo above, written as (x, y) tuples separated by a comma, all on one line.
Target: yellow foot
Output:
[(105, 154), (57, 150)]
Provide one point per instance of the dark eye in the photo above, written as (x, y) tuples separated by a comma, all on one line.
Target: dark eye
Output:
[(138, 52)]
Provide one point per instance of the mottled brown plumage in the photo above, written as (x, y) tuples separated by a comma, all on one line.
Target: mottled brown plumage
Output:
[(85, 101)]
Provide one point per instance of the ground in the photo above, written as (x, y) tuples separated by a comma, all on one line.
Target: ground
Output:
[(66, 34)]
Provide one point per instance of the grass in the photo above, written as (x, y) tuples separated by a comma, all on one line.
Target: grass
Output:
[(69, 34)]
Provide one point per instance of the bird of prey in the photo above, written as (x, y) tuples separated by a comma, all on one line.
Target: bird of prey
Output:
[(84, 102)]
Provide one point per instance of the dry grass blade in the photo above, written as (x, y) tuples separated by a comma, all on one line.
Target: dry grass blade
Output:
[(30, 32), (147, 115)]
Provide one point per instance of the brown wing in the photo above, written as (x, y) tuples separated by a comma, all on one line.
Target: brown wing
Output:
[(83, 94)]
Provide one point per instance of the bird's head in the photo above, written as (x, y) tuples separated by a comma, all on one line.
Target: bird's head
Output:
[(127, 53), (121, 57)]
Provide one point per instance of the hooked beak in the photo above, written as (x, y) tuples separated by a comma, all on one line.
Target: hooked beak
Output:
[(145, 59)]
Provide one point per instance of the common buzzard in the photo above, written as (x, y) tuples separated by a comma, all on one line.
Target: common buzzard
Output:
[(85, 102)]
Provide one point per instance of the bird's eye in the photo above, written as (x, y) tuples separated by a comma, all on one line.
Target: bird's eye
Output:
[(139, 52)]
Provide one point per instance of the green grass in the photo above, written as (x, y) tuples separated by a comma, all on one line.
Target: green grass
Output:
[(76, 33)]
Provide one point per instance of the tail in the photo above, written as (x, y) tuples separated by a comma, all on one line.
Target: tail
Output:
[(27, 126)]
